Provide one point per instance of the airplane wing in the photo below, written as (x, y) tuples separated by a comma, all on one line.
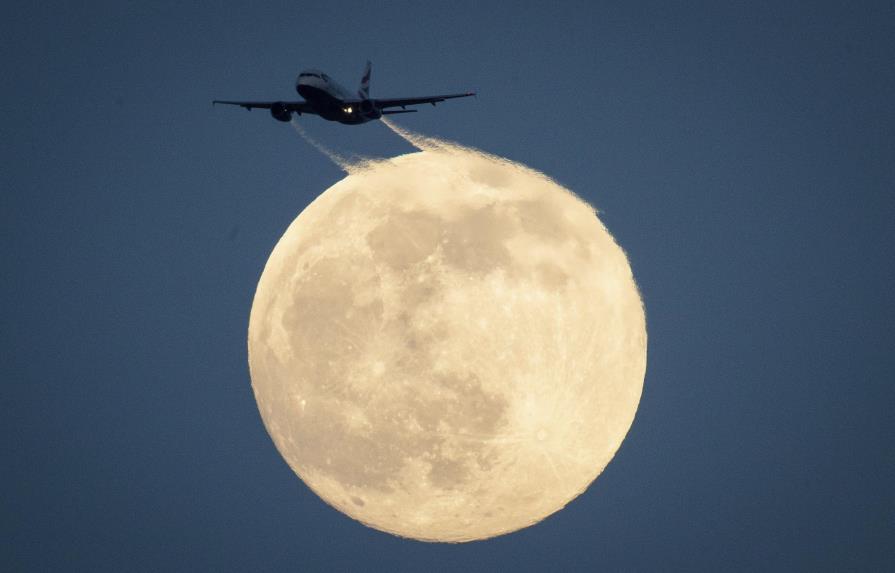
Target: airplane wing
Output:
[(294, 106), (401, 102)]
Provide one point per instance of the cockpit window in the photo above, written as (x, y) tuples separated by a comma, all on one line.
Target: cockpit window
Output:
[(308, 74)]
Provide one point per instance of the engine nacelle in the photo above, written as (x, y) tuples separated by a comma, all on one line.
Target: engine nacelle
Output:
[(280, 112), (368, 110)]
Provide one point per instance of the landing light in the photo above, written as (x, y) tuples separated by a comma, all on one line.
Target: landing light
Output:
[(348, 109)]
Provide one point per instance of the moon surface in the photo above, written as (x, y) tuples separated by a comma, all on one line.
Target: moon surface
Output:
[(447, 345)]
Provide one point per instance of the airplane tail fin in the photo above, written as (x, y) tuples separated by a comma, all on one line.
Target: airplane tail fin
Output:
[(364, 90)]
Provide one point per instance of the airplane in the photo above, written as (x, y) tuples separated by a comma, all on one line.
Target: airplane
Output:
[(327, 99)]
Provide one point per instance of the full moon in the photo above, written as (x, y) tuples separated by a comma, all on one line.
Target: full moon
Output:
[(447, 345)]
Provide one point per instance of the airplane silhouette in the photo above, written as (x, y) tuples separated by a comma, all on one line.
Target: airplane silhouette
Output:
[(327, 99)]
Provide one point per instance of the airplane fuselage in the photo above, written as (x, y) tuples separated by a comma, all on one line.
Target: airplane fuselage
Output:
[(328, 99)]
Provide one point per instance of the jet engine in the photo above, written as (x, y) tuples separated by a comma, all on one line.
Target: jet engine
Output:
[(369, 110), (280, 112)]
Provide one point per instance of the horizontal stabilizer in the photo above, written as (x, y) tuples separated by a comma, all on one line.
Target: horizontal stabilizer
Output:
[(389, 112)]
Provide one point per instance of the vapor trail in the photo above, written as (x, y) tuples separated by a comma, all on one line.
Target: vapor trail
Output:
[(421, 142), (343, 163)]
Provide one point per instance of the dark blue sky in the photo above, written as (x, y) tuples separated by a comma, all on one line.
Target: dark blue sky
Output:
[(743, 155)]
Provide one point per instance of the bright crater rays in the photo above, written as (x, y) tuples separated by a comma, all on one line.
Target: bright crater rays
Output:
[(447, 345)]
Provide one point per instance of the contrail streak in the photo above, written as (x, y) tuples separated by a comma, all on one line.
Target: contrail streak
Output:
[(343, 163), (421, 142)]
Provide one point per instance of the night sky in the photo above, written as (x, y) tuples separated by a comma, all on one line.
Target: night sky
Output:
[(743, 155)]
